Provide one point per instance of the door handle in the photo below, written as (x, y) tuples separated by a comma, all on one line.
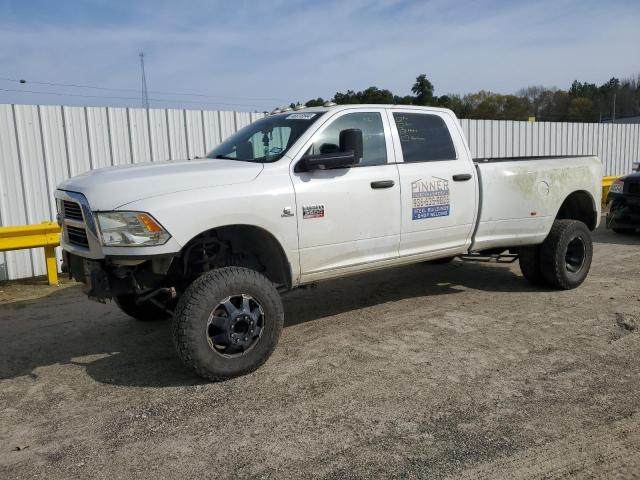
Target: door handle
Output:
[(462, 177), (383, 184)]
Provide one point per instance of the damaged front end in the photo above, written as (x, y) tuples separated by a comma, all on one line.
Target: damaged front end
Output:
[(111, 278)]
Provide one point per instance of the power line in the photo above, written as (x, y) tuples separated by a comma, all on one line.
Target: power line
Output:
[(94, 87), (111, 97)]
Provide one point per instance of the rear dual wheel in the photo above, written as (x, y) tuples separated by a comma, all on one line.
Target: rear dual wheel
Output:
[(563, 260)]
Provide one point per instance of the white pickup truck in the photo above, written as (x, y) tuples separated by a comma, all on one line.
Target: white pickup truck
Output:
[(309, 195)]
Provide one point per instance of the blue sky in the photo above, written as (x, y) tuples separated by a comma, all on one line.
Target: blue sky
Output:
[(258, 54)]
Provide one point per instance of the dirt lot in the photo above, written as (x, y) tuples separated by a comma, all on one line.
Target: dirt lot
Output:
[(416, 372)]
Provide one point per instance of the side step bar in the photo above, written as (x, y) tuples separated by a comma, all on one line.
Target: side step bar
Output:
[(481, 257)]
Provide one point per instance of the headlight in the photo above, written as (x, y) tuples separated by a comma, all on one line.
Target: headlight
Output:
[(616, 187), (130, 229)]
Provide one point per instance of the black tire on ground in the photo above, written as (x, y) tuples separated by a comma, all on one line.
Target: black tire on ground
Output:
[(565, 255), (195, 313), (145, 311), (624, 231), (441, 261), (529, 259)]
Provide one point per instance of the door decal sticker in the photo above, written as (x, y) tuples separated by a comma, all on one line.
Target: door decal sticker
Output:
[(312, 211), (430, 198)]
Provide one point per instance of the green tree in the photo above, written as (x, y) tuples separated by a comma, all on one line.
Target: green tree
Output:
[(317, 102), (581, 110), (423, 90)]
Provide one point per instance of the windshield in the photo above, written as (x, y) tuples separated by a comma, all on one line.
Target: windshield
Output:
[(265, 140)]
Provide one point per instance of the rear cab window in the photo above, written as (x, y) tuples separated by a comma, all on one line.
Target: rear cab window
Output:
[(424, 137)]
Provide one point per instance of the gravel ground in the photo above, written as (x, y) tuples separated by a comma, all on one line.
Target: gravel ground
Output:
[(462, 370)]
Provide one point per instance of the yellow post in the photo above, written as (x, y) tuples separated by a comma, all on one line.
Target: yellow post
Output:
[(45, 234), (52, 265), (532, 119)]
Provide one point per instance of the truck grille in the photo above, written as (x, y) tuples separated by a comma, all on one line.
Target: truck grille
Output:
[(71, 210), (77, 236), (634, 188)]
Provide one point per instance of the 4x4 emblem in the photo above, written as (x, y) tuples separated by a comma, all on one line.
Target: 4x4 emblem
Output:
[(287, 212)]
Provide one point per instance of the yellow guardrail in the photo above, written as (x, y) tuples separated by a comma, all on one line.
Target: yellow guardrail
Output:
[(45, 234), (606, 184)]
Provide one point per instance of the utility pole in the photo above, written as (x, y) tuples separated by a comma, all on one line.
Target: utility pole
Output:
[(145, 96), (613, 117)]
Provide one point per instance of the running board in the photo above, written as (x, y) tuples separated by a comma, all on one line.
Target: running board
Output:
[(498, 257)]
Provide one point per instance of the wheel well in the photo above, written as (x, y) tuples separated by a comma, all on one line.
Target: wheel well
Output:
[(579, 206), (236, 245)]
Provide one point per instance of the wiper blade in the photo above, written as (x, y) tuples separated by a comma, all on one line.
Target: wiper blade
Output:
[(226, 157)]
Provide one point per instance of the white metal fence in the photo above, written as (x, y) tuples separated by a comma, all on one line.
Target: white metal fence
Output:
[(42, 145)]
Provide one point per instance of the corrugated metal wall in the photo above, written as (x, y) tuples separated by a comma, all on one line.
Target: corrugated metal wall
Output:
[(42, 145), (617, 145)]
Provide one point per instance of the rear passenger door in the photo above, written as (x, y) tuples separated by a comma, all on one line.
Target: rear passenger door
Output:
[(437, 179)]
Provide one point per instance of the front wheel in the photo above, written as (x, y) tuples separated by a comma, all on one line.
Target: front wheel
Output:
[(227, 323), (565, 255)]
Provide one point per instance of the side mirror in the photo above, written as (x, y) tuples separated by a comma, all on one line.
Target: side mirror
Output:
[(351, 141), (349, 154), (325, 161)]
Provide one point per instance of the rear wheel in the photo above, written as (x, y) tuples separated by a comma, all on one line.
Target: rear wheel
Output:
[(565, 255), (227, 323), (144, 311), (529, 259)]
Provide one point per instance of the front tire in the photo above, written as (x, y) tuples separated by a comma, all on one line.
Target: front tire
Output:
[(227, 323), (565, 255)]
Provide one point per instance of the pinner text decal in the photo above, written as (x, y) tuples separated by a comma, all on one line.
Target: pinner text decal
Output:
[(430, 198)]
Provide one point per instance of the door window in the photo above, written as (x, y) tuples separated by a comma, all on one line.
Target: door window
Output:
[(373, 143), (424, 138)]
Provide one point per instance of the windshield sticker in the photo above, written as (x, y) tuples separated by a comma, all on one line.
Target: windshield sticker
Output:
[(430, 198), (300, 116), (312, 211)]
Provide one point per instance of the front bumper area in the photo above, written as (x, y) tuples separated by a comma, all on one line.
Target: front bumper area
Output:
[(108, 278)]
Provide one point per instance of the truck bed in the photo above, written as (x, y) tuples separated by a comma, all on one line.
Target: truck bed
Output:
[(520, 196)]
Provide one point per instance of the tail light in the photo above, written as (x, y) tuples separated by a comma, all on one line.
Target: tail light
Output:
[(616, 186)]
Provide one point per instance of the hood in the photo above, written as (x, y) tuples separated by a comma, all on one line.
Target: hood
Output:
[(110, 188)]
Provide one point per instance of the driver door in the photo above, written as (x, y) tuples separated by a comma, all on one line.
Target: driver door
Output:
[(348, 218)]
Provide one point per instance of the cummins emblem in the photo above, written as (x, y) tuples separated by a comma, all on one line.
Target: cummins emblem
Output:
[(312, 211)]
